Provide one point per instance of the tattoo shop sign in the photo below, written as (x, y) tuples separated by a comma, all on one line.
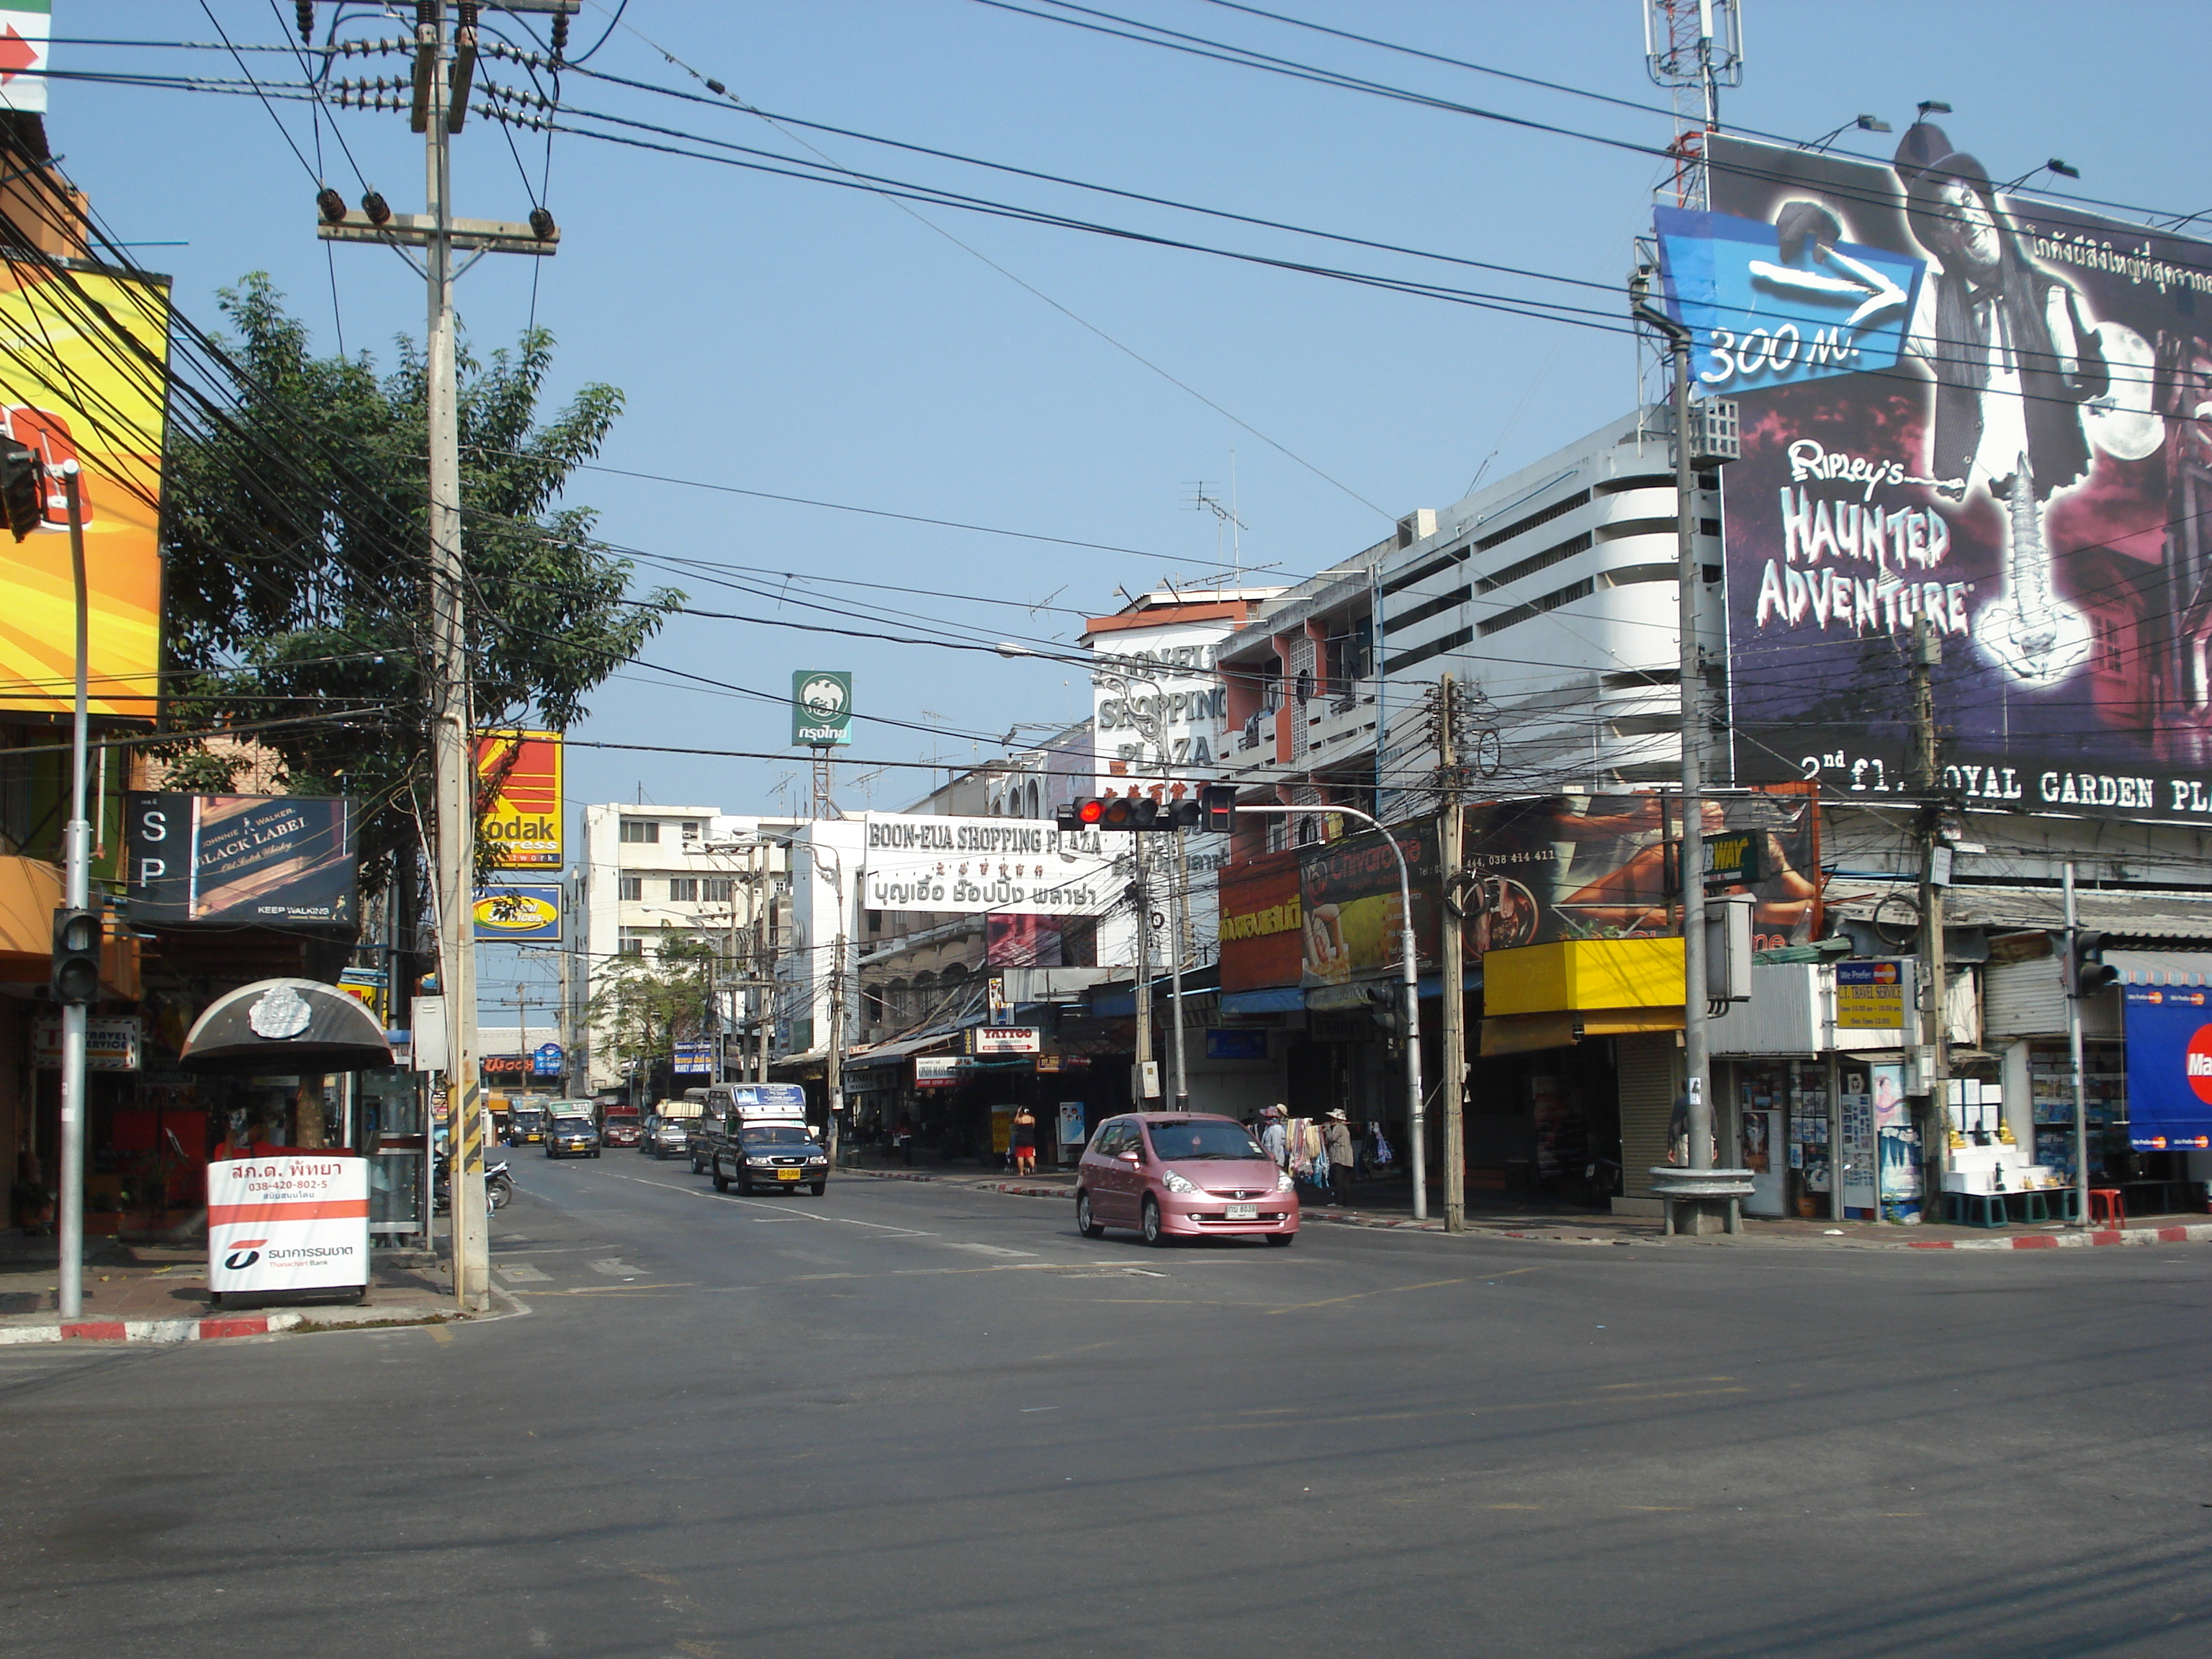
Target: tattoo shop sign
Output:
[(1008, 866)]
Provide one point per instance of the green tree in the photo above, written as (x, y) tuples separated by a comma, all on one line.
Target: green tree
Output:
[(646, 1004), (297, 543)]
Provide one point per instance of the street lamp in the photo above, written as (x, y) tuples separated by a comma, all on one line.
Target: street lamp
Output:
[(1411, 971)]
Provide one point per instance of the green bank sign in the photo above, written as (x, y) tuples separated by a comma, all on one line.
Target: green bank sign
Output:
[(820, 708)]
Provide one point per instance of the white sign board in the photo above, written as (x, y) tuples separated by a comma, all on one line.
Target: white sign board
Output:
[(24, 25), (295, 1221), (1071, 1123), (110, 1042), (1003, 1039), (1008, 866), (1159, 704)]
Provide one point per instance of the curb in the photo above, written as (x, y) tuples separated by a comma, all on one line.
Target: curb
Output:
[(2136, 1236), (2119, 1236), (163, 1330)]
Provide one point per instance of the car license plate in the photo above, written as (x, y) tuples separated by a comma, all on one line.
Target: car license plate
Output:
[(1243, 1213), (787, 1174)]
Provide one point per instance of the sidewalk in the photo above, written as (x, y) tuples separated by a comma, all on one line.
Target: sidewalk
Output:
[(158, 1293), (1388, 1203)]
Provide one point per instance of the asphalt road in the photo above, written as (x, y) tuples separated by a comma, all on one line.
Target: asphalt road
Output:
[(910, 1420)]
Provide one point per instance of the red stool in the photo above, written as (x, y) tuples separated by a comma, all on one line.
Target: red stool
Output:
[(2105, 1204)]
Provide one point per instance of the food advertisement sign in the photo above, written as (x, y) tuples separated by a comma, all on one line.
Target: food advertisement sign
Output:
[(1002, 865), (289, 1221), (518, 798), (1600, 866), (1262, 922), (83, 378), (1975, 414), (238, 860), (1353, 909), (519, 914)]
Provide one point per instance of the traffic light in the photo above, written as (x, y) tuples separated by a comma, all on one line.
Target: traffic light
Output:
[(1130, 813), (75, 974), (23, 488), (2086, 971), (1217, 809)]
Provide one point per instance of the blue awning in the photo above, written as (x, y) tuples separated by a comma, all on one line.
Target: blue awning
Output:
[(1273, 999)]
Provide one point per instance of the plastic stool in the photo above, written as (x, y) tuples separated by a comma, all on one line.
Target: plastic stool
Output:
[(2105, 1204)]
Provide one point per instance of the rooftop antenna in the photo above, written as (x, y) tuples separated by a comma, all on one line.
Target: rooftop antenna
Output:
[(1693, 48), (1226, 524)]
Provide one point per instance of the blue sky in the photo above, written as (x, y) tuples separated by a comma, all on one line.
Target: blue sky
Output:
[(792, 339)]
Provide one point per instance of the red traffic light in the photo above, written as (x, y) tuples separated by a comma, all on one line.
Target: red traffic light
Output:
[(1090, 810)]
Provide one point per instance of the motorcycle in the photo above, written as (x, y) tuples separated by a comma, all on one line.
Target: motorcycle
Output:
[(499, 1188)]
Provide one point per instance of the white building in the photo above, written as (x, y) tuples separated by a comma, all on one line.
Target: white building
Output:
[(652, 873)]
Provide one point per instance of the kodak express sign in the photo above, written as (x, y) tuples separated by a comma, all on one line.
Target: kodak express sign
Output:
[(518, 796)]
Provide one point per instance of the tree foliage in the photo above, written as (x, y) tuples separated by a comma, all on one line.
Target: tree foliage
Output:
[(646, 1004), (298, 549)]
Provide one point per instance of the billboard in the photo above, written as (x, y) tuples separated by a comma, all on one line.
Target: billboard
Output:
[(1352, 909), (1262, 922), (524, 914), (2169, 1067), (518, 798), (1600, 866), (241, 860), (25, 26), (83, 362), (1967, 409), (1003, 865), (820, 708)]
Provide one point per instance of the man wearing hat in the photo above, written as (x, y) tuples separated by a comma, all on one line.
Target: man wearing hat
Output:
[(1274, 1136), (1336, 1139), (2013, 359)]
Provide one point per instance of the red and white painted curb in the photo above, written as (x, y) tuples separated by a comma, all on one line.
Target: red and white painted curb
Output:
[(2201, 1234), (211, 1329)]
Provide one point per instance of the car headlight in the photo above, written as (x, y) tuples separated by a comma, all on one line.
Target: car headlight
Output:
[(1176, 1183), (761, 1163), (1284, 1184)]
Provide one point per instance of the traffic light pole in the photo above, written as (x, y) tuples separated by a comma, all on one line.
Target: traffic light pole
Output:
[(1178, 889), (2073, 1053), (76, 894), (1409, 965)]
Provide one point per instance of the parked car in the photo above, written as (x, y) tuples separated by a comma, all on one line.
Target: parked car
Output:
[(621, 1129), (572, 1137), (1183, 1173), (773, 1155), (667, 1138)]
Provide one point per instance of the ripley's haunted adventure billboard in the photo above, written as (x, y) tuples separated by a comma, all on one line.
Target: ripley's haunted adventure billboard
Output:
[(1963, 407)]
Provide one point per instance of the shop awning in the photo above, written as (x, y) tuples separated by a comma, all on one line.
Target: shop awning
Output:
[(2162, 967), (1273, 999), (30, 893), (2132, 915), (286, 1025), (1522, 1034), (1584, 974), (889, 1054)]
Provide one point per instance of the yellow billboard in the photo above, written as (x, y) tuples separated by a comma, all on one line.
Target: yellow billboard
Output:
[(84, 370), (518, 798)]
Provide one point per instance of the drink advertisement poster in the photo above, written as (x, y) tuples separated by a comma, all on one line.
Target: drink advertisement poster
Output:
[(289, 1221), (1974, 413), (237, 860)]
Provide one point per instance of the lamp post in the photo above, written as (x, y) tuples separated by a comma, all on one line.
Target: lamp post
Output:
[(1410, 967)]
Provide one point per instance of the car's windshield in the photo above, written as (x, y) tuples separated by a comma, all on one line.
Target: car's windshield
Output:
[(569, 1125), (775, 1134), (528, 1116), (1199, 1138)]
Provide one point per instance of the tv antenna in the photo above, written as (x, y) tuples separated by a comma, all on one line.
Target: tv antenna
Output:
[(1226, 524)]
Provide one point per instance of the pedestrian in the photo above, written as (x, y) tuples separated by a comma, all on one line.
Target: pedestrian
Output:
[(1336, 1137), (1274, 1138), (1022, 1141), (903, 1137)]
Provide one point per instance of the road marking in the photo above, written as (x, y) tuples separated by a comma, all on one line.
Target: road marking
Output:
[(1356, 1296), (523, 1274), (616, 1290), (990, 1249), (439, 1333), (1657, 1382), (615, 1267)]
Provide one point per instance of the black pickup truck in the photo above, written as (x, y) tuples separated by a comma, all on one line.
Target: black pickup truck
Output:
[(781, 1156)]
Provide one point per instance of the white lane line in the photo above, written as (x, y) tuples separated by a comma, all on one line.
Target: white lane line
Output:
[(615, 1267), (990, 1249), (786, 1212)]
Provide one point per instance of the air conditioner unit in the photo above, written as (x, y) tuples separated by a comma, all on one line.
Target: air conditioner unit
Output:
[(1417, 526)]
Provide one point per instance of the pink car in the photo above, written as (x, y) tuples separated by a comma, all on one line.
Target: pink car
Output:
[(1181, 1173)]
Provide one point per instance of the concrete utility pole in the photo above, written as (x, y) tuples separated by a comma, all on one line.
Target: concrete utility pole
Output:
[(1450, 836), (1934, 876), (444, 66), (2074, 1054), (76, 894), (1178, 896), (1138, 1090), (1690, 584), (1409, 965)]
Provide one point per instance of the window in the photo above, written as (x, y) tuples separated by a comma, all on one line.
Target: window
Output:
[(632, 887), (632, 942), (684, 887), (691, 829), (720, 890), (641, 831)]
